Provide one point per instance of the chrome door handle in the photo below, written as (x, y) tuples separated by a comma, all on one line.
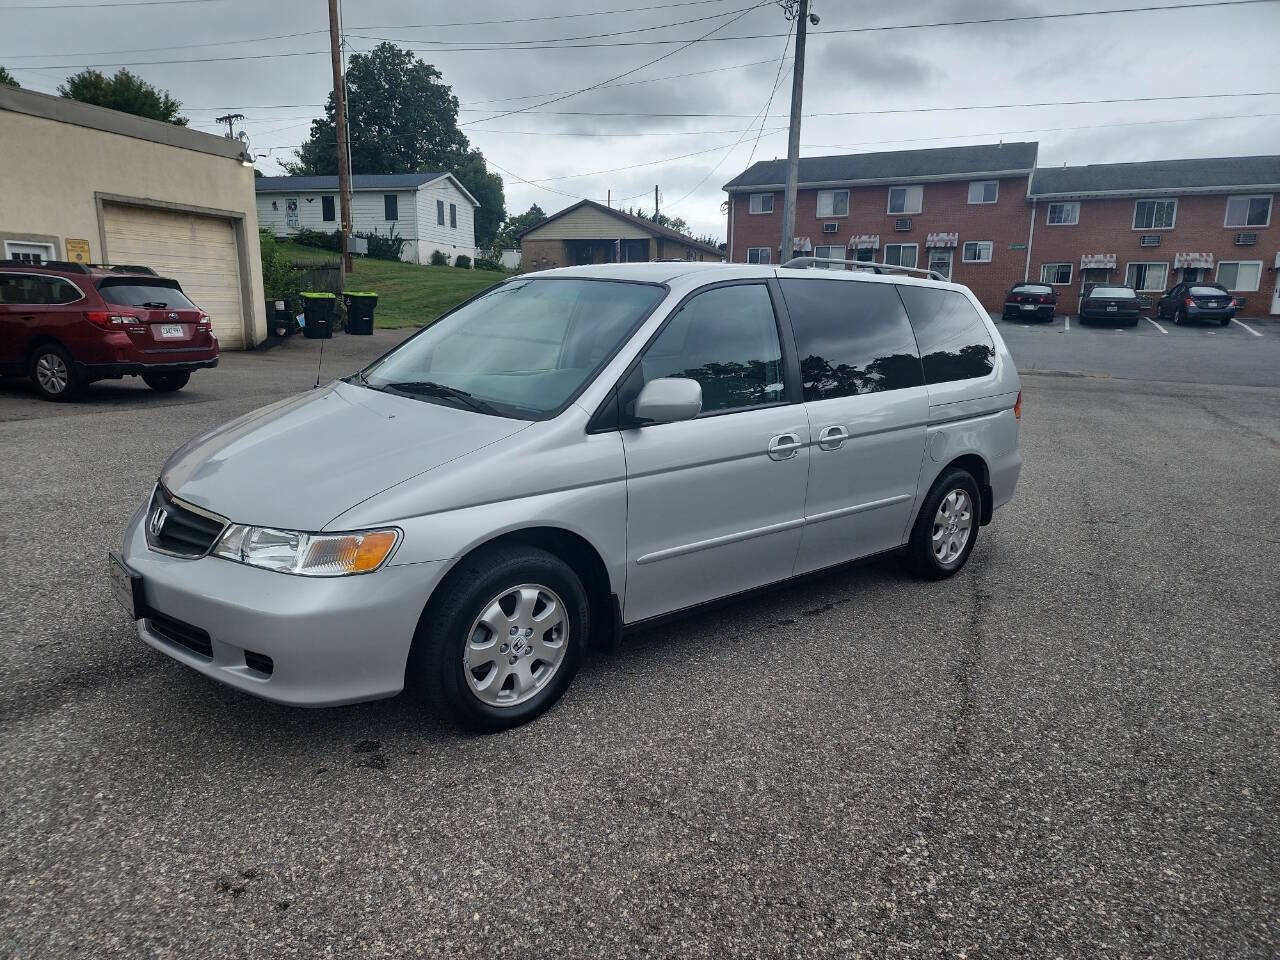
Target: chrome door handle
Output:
[(784, 446), (832, 438)]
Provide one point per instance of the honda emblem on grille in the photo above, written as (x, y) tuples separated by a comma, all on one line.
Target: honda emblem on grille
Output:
[(156, 523)]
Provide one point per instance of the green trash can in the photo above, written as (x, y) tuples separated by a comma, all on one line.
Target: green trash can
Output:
[(318, 312), (360, 306)]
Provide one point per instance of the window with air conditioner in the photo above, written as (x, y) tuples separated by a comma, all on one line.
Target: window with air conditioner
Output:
[(1154, 214), (1249, 211), (1147, 277)]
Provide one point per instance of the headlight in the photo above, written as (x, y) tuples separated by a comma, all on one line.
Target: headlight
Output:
[(306, 554)]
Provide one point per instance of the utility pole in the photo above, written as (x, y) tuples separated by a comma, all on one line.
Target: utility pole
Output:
[(655, 203), (800, 10), (230, 120), (340, 103)]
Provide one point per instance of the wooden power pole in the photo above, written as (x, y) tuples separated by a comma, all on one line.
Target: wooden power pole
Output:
[(340, 104), (793, 139)]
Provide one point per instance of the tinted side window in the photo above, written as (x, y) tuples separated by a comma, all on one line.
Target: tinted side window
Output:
[(954, 343), (28, 289), (727, 340), (851, 338)]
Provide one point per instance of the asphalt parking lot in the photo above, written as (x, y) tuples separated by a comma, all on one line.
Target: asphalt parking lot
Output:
[(1069, 750)]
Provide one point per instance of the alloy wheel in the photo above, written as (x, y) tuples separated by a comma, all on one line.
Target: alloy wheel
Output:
[(516, 645), (952, 526), (52, 374)]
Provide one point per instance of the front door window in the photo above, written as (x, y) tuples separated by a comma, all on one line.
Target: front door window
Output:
[(291, 212)]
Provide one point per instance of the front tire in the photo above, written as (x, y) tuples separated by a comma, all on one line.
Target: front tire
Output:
[(166, 382), (946, 528), (54, 373), (502, 638)]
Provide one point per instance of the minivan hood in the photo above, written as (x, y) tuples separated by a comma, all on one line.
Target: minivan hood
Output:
[(301, 462)]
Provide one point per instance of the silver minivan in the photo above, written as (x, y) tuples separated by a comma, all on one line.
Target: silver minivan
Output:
[(566, 454)]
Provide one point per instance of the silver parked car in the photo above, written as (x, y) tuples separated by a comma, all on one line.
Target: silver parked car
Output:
[(565, 454)]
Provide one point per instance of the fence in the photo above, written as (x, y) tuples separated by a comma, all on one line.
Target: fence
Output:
[(319, 277)]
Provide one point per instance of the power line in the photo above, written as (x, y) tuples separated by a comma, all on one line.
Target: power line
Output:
[(558, 16), (170, 46), (117, 3)]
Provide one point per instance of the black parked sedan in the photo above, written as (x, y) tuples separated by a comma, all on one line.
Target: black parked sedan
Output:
[(1030, 301), (1210, 302), (1112, 304)]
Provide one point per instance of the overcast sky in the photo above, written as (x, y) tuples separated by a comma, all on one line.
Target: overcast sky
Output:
[(1222, 49)]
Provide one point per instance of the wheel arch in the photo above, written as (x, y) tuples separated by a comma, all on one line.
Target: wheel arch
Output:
[(976, 466)]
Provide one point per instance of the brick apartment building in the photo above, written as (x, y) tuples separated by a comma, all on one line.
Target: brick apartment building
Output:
[(985, 216)]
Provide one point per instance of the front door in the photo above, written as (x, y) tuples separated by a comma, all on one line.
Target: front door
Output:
[(291, 212), (867, 405), (715, 504), (940, 261)]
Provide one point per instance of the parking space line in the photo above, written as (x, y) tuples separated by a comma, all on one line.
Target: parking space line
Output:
[(1156, 325), (1246, 326)]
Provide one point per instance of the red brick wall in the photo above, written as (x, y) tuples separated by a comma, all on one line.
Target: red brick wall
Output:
[(945, 208), (1106, 226)]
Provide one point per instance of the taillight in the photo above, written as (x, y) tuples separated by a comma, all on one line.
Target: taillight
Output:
[(110, 321), (202, 322), (1017, 407), (1188, 302)]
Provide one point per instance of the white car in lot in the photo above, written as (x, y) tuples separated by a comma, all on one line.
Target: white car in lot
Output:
[(565, 454)]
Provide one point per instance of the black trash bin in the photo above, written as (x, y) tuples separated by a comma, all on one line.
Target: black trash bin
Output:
[(360, 306), (318, 310)]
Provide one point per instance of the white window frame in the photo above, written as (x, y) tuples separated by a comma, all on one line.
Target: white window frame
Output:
[(983, 184), (964, 250), (1226, 215), (919, 204), (1238, 264), (1048, 217), (839, 249), (757, 200), (884, 254), (1164, 285), (830, 196), (1172, 223), (939, 251), (1044, 267), (9, 244), (765, 252)]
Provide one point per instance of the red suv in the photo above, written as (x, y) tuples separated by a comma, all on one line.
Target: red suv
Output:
[(67, 324)]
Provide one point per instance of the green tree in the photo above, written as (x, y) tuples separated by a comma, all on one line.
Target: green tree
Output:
[(7, 79), (126, 92), (509, 235), (403, 119)]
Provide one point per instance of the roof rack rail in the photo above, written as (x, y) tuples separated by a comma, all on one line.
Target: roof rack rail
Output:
[(126, 268), (66, 266), (798, 262)]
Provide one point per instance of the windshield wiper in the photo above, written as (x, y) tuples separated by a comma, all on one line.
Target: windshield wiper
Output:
[(429, 388), (152, 305)]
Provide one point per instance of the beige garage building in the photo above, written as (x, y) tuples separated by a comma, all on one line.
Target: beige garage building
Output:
[(92, 185)]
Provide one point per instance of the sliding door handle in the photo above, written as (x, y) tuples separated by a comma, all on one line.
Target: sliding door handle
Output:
[(784, 446), (832, 438)]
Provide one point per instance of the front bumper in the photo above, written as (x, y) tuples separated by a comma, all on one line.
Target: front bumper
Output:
[(332, 640)]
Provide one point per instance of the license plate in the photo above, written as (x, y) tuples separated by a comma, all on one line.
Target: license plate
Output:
[(1213, 303), (1028, 306), (170, 331), (126, 585), (1111, 308)]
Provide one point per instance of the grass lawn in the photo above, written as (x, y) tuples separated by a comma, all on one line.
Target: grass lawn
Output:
[(408, 295)]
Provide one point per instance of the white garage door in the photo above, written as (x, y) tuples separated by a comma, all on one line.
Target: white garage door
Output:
[(199, 252)]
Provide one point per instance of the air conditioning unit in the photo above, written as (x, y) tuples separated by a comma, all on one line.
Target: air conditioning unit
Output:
[(830, 227), (1149, 240), (1246, 239), (902, 225)]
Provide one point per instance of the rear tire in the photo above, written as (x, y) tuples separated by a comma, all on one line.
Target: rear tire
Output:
[(946, 528), (54, 373), (501, 638), (1179, 318), (1224, 321), (166, 382)]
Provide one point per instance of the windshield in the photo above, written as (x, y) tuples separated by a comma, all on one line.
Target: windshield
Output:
[(1208, 292), (140, 293), (522, 349), (1113, 293)]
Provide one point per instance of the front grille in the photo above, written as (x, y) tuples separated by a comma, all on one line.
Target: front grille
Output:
[(182, 634), (176, 528)]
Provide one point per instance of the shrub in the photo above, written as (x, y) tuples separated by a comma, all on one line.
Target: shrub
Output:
[(280, 281), (387, 247), (318, 238), (485, 263), (439, 259), (463, 262)]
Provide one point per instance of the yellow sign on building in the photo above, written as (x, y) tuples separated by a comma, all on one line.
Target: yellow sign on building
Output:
[(78, 251)]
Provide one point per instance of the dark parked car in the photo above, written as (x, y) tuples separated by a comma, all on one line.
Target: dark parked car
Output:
[(1112, 304), (1030, 301), (1210, 302), (67, 324)]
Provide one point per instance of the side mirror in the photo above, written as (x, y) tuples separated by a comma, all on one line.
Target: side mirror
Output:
[(667, 401)]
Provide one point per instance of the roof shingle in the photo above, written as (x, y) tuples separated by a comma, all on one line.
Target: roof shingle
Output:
[(360, 181), (1156, 175)]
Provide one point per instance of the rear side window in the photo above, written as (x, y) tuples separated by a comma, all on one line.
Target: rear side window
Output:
[(31, 288), (154, 295), (727, 340), (954, 343), (851, 338)]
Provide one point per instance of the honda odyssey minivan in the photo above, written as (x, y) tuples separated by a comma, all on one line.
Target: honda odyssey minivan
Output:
[(568, 453)]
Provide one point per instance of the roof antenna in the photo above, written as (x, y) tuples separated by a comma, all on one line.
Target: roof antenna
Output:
[(319, 364)]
